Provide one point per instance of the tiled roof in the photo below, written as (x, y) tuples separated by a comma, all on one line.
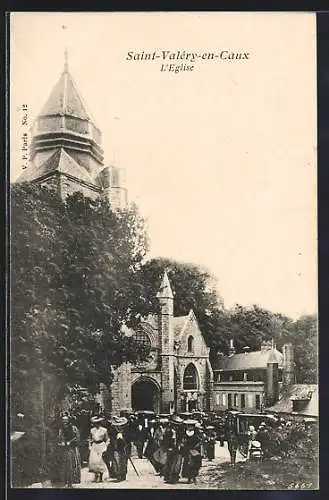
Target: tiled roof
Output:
[(248, 361), (301, 392), (65, 99), (178, 323), (60, 161)]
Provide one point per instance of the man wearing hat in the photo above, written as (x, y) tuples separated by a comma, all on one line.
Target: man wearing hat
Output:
[(98, 442), (118, 448)]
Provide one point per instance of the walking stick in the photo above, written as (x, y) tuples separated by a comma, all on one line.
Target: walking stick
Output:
[(133, 465), (129, 458)]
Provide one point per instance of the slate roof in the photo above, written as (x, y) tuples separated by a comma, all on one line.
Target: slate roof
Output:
[(304, 392), (66, 99), (59, 161), (248, 361)]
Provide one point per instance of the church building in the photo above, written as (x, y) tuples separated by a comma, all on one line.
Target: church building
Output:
[(177, 376)]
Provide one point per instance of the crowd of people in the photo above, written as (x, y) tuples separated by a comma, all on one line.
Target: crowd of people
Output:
[(174, 446)]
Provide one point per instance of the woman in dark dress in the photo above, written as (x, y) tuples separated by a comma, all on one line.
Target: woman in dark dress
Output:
[(192, 452), (210, 442), (160, 453), (70, 463), (151, 445), (172, 445), (118, 449)]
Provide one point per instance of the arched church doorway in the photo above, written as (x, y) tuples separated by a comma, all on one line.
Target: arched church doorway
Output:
[(145, 395)]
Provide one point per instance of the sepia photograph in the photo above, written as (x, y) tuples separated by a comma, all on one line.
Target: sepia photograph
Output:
[(163, 251)]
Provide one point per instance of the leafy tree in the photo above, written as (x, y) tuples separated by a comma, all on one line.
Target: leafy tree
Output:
[(193, 287), (303, 334), (250, 326), (73, 286)]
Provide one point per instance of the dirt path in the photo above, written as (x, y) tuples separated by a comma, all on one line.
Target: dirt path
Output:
[(149, 480)]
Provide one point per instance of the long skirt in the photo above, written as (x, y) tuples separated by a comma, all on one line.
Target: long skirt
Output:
[(96, 462), (210, 450), (191, 465), (139, 443), (173, 466), (150, 449), (71, 466), (119, 465), (160, 457)]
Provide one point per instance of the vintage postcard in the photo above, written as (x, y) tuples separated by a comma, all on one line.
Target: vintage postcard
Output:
[(163, 193)]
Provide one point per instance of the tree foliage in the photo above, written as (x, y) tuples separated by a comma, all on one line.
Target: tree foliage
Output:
[(73, 285), (193, 288)]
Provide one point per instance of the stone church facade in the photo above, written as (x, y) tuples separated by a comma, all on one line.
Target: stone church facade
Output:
[(177, 376)]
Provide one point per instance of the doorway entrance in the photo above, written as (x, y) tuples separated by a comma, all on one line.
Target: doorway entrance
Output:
[(145, 395)]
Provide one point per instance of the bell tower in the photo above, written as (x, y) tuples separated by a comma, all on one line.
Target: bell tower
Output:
[(166, 312)]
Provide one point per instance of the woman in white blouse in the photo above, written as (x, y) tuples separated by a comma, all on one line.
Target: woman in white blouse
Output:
[(98, 442)]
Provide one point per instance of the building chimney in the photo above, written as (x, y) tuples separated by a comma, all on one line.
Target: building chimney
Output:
[(231, 350), (288, 364)]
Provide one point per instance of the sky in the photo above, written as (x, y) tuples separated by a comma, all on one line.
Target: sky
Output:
[(221, 160)]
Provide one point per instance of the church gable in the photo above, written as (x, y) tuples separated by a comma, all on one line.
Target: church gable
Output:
[(190, 338)]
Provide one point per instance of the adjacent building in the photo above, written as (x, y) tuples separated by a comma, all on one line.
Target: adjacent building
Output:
[(251, 380)]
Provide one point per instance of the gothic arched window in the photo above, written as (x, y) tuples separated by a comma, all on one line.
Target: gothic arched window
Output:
[(143, 339), (190, 344), (190, 379)]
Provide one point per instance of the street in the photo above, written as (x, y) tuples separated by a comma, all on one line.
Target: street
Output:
[(149, 480)]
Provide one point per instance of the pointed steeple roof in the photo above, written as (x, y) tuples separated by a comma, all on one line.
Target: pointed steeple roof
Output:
[(165, 291), (65, 98), (60, 162)]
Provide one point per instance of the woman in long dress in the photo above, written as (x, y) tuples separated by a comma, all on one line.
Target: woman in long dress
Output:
[(159, 454), (98, 442), (191, 451), (210, 442), (172, 445), (118, 449), (70, 466)]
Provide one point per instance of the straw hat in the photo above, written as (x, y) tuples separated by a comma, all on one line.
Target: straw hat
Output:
[(96, 419), (119, 421), (189, 421), (210, 427), (176, 420)]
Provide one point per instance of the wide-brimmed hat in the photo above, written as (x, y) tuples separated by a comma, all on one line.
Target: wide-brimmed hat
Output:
[(96, 419), (118, 421), (210, 427), (190, 421), (175, 419), (198, 425), (65, 418)]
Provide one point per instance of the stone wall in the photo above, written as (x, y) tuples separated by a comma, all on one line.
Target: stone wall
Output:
[(120, 390)]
